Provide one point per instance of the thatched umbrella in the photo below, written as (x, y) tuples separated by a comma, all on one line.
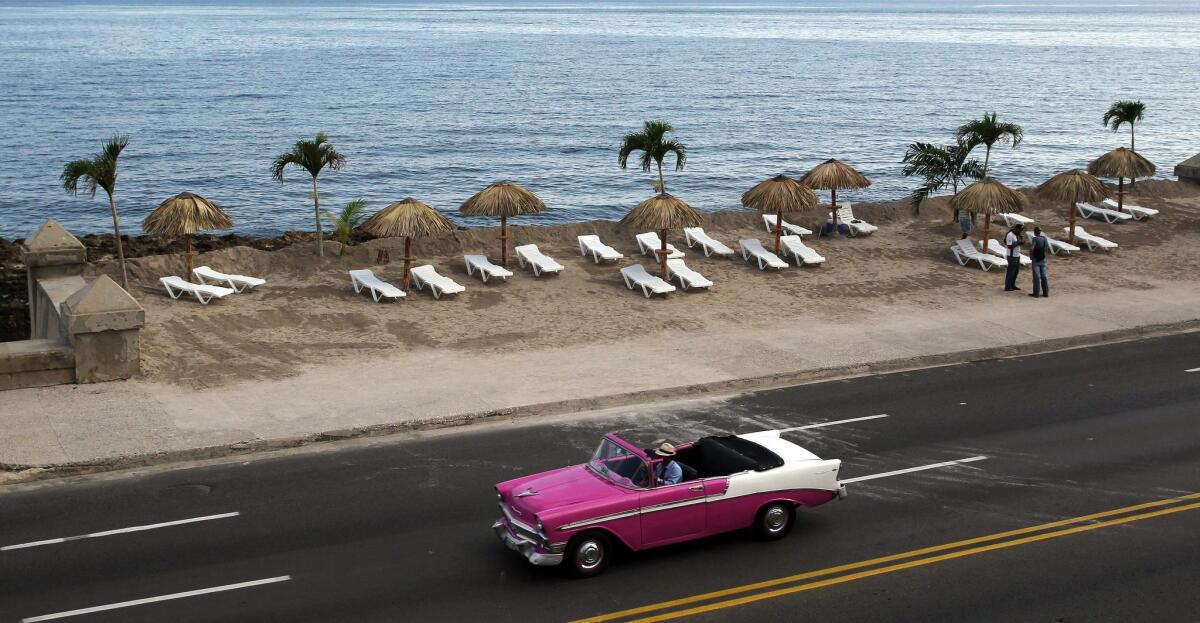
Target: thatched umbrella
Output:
[(781, 195), (503, 199), (407, 219), (1121, 163), (183, 215), (988, 197), (1072, 186), (662, 212), (832, 175)]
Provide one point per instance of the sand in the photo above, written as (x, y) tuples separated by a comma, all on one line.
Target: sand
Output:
[(307, 316)]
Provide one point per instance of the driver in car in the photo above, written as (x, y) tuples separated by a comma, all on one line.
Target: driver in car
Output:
[(667, 472)]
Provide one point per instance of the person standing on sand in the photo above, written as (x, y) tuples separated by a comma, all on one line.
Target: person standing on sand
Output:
[(1012, 241), (964, 222), (1037, 251)]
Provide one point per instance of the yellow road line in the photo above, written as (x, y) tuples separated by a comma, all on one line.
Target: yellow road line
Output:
[(910, 564), (875, 561)]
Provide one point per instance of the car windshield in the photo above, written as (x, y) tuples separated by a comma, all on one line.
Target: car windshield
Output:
[(616, 463)]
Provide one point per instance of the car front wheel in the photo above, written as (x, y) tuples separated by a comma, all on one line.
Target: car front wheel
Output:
[(588, 554), (774, 521)]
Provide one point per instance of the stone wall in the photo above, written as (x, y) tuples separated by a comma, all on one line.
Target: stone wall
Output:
[(80, 332), (1189, 170)]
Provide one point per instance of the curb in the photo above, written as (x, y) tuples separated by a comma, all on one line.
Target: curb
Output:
[(18, 473)]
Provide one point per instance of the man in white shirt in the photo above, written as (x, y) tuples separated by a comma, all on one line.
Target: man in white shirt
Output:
[(1012, 243)]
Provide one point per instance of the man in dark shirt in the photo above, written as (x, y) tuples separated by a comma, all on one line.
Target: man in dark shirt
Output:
[(1038, 247)]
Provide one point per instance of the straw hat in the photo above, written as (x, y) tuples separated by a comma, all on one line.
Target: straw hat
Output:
[(665, 449)]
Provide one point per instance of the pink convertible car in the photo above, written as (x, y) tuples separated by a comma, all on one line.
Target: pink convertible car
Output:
[(578, 514)]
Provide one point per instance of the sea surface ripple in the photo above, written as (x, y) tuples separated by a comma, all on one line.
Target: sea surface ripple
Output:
[(437, 100)]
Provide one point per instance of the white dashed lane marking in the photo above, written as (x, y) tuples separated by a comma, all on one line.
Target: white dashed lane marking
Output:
[(93, 535), (150, 600), (834, 423), (914, 469)]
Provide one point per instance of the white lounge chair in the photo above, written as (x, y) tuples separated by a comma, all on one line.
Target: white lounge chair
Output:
[(649, 244), (1056, 246), (485, 267), (801, 253), (1087, 210), (857, 226), (999, 250), (239, 283), (1012, 218), (599, 251), (177, 287), (765, 259), (364, 279), (965, 252), (636, 275), (541, 263), (696, 236), (427, 275), (791, 228), (687, 277), (1137, 212), (1092, 241)]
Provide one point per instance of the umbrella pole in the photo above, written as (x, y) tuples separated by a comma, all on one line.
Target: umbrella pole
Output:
[(407, 261), (1120, 194), (833, 207), (1071, 219), (662, 258), (778, 227), (983, 242), (503, 240), (188, 255)]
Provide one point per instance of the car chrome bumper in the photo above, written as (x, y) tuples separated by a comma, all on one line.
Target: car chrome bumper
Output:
[(527, 548)]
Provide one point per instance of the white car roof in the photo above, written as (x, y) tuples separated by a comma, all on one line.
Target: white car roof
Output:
[(786, 450)]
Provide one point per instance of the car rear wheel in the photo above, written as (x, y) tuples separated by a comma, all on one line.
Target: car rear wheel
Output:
[(774, 521), (588, 554)]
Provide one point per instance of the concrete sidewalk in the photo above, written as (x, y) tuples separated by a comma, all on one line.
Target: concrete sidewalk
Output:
[(137, 422)]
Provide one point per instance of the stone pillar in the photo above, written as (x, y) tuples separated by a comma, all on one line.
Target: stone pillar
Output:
[(1189, 170), (49, 253), (103, 322)]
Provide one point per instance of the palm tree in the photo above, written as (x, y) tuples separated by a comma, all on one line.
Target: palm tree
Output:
[(988, 131), (100, 172), (346, 220), (940, 166), (312, 156), (1125, 111), (654, 145)]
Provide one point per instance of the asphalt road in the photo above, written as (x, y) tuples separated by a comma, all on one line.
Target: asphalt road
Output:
[(398, 529)]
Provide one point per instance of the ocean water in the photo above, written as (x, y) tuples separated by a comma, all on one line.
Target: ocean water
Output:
[(435, 100)]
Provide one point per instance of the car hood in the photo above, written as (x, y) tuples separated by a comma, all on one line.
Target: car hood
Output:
[(561, 488)]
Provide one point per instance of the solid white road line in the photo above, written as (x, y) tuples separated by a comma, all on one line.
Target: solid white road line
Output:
[(93, 535), (914, 469), (823, 424), (150, 600), (1193, 370)]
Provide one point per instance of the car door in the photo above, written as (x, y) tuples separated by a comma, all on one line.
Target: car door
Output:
[(671, 513)]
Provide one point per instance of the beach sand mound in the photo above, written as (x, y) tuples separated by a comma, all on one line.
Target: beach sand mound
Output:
[(307, 314)]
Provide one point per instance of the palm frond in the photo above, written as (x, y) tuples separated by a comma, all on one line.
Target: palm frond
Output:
[(76, 171), (654, 146), (989, 131), (1122, 112), (632, 142), (312, 156), (673, 147), (346, 220)]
